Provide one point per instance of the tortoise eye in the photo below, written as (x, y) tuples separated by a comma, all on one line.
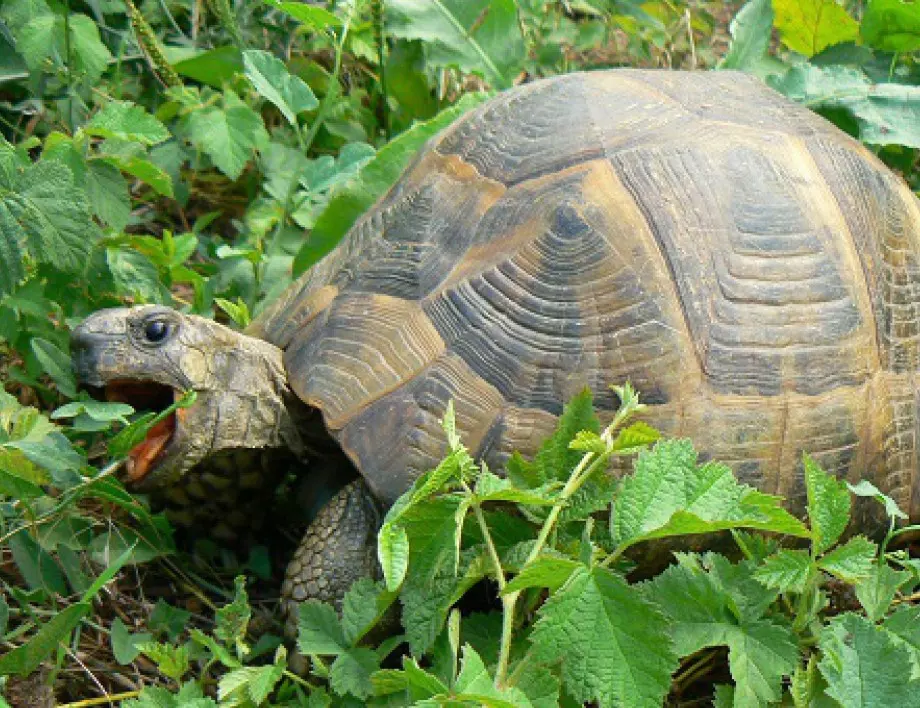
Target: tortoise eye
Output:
[(156, 331)]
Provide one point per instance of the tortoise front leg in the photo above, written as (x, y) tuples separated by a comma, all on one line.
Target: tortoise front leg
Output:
[(339, 547)]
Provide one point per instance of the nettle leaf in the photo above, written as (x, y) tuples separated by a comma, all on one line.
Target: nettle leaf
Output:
[(364, 604), (351, 672), (432, 529), (232, 620), (864, 665), (887, 113), (319, 630), (828, 505), (891, 25), (750, 31), (876, 590), (614, 645), (491, 487), (271, 78), (45, 215), (475, 684), (107, 191), (228, 135), (144, 170), (852, 561), (250, 683), (760, 651), (172, 661), (126, 121), (786, 570), (904, 625), (479, 36), (809, 26), (190, 695), (544, 572)]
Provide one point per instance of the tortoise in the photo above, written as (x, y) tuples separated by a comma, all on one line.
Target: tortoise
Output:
[(752, 270)]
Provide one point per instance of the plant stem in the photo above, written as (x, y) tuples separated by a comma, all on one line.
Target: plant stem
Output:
[(100, 700)]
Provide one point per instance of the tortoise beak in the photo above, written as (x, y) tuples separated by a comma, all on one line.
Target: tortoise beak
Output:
[(95, 347)]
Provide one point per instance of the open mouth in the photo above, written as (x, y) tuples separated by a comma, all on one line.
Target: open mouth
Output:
[(149, 396)]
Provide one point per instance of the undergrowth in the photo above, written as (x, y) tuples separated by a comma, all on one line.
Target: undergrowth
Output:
[(201, 155)]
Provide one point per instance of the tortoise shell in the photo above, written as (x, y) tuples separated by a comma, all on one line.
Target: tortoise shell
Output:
[(752, 270)]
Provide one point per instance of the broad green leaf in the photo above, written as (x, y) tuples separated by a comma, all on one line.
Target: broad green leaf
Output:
[(135, 275), (613, 645), (319, 630), (249, 683), (42, 34), (107, 192), (491, 487), (364, 604), (44, 214), (190, 695), (865, 488), (809, 26), (851, 561), (38, 567), (475, 684), (355, 197), (432, 529), (828, 506), (887, 113), (544, 572), (124, 644), (228, 135), (213, 67), (876, 590), (351, 672), (56, 364), (172, 661), (787, 570), (103, 411), (310, 15), (168, 619), (761, 651), (750, 31), (393, 554), (275, 83), (865, 666), (479, 36), (891, 25), (90, 55), (904, 625), (126, 121), (144, 170), (635, 437), (23, 660)]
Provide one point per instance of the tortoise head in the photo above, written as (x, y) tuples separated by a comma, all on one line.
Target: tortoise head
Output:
[(147, 356)]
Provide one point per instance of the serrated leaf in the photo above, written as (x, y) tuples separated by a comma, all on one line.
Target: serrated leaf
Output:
[(144, 170), (365, 603), (544, 572), (613, 645), (904, 625), (586, 441), (431, 530), (232, 620), (491, 487), (864, 666), (891, 25), (228, 135), (172, 661), (876, 590), (634, 437), (786, 570), (250, 683), (275, 83), (810, 26), (135, 275), (393, 554), (828, 505), (23, 660), (750, 30), (108, 195), (480, 36), (474, 683), (852, 561), (351, 672), (355, 197), (126, 121), (189, 696), (319, 630), (56, 364)]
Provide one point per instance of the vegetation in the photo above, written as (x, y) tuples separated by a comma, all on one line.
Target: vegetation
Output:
[(203, 154)]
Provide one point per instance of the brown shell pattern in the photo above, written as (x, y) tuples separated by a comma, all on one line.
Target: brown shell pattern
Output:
[(753, 271)]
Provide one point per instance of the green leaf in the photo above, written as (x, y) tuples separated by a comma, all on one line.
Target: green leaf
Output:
[(865, 666), (760, 651), (319, 630), (232, 620), (126, 121), (479, 36), (56, 364), (865, 488), (229, 136), (351, 672), (90, 55), (168, 619), (891, 25), (124, 644), (172, 661), (44, 214), (135, 275), (852, 561), (828, 505), (107, 191), (355, 197), (810, 26), (491, 487), (475, 684), (274, 82), (887, 113), (634, 437), (614, 645), (310, 15), (189, 696), (750, 31), (23, 660), (364, 604), (214, 67), (393, 554), (785, 571), (876, 590), (254, 683), (432, 529), (144, 170), (37, 566), (544, 572)]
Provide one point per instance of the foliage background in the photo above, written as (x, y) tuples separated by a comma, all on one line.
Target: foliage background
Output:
[(202, 154)]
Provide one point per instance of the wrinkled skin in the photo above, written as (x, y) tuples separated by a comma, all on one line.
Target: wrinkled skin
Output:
[(242, 388)]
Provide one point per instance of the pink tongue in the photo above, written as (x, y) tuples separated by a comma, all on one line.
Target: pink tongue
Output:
[(142, 456)]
